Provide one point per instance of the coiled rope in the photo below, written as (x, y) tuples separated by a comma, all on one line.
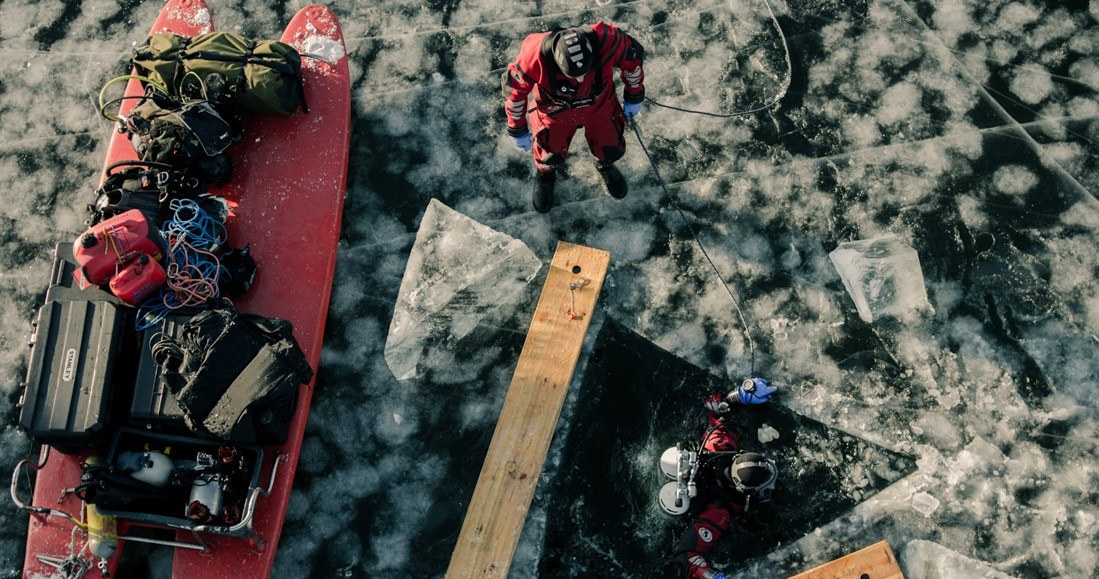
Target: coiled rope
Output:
[(671, 198), (193, 269)]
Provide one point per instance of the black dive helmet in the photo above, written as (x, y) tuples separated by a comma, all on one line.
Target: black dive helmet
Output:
[(753, 475), (573, 51)]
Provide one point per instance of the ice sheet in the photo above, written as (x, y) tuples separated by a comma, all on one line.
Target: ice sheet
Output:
[(967, 129), (883, 277), (461, 275)]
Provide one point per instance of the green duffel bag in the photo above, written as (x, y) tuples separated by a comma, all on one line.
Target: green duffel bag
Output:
[(259, 76)]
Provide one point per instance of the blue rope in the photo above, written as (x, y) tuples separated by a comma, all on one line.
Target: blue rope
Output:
[(190, 232)]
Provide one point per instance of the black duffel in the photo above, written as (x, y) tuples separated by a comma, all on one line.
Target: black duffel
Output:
[(235, 375)]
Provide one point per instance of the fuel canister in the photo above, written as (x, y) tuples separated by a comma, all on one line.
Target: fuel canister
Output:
[(106, 246), (141, 277)]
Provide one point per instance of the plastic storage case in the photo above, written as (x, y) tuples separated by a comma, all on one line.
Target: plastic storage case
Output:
[(154, 407), (77, 356)]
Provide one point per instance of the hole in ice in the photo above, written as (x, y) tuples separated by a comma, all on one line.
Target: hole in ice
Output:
[(576, 269)]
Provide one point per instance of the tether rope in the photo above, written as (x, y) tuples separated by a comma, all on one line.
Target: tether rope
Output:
[(192, 267), (694, 234), (664, 187)]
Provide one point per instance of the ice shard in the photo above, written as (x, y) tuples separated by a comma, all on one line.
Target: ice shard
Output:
[(883, 277), (928, 560), (461, 275)]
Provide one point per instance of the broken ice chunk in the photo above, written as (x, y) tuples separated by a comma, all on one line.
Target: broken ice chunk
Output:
[(767, 433), (460, 275), (882, 275), (928, 560), (925, 503)]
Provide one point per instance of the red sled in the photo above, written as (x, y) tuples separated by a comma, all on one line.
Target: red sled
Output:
[(290, 175)]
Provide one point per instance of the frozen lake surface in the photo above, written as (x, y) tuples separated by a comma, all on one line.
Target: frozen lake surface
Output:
[(966, 129)]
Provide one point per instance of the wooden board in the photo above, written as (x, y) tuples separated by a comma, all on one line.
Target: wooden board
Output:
[(874, 562), (498, 509)]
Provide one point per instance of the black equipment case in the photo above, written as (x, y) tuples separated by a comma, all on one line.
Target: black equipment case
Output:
[(154, 407), (76, 357)]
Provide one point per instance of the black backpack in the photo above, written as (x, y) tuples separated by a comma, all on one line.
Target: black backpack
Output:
[(234, 375), (185, 135)]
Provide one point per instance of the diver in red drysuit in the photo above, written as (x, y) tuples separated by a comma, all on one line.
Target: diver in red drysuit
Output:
[(730, 481), (570, 73)]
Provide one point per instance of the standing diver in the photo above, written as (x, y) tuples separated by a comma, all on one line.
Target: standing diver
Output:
[(570, 73), (728, 480)]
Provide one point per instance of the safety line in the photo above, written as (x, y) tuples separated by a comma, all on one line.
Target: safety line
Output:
[(774, 101), (660, 179), (694, 234)]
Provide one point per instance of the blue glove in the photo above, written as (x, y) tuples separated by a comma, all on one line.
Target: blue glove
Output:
[(719, 576), (631, 109), (754, 391), (522, 142)]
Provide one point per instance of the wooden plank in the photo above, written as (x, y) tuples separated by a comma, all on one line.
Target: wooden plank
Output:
[(498, 509), (874, 562)]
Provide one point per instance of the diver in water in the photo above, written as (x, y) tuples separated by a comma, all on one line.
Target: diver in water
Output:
[(570, 74), (730, 481)]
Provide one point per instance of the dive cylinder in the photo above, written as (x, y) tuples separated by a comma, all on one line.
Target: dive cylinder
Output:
[(102, 529), (679, 466), (149, 467)]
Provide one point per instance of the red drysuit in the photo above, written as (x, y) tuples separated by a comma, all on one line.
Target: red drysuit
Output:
[(561, 104), (721, 501)]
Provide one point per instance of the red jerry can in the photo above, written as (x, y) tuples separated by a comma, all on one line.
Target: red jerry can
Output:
[(104, 248), (138, 279)]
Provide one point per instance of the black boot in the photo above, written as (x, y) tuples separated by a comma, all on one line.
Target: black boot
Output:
[(542, 194), (613, 179)]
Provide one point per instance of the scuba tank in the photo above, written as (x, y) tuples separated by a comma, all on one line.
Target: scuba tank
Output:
[(679, 466), (102, 529), (149, 467)]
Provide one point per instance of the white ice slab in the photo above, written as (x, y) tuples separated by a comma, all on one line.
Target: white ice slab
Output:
[(460, 274), (883, 277), (929, 560)]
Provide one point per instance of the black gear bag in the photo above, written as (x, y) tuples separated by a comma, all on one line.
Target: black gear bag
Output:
[(146, 186), (189, 135), (235, 375)]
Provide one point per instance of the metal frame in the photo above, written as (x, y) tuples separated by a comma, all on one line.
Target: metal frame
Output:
[(242, 529)]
